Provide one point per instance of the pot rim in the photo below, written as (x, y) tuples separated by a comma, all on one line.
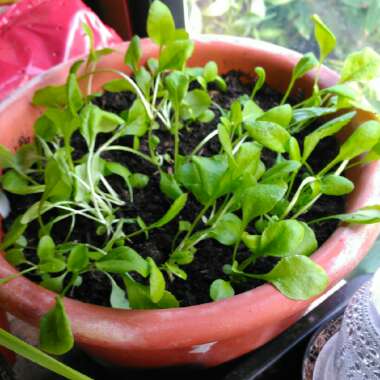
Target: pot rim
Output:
[(147, 329)]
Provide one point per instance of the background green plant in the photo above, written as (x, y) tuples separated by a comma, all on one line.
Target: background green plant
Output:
[(287, 22)]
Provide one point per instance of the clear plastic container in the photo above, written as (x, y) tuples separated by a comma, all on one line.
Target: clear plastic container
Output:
[(354, 352)]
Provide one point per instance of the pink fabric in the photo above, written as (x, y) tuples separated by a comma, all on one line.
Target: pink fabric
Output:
[(38, 34)]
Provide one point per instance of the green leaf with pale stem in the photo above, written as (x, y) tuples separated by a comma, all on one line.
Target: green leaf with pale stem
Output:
[(327, 129), (173, 211), (260, 199), (56, 336), (160, 23), (156, 281), (271, 135), (324, 36), (282, 238), (363, 65), (227, 230), (362, 140), (336, 185), (298, 277), (133, 54), (221, 289)]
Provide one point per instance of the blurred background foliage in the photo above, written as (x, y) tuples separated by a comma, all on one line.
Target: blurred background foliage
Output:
[(356, 23)]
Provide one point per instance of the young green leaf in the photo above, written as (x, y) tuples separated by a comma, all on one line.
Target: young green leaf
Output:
[(144, 81), (271, 135), (280, 171), (156, 281), (282, 238), (304, 65), (139, 297), (294, 150), (363, 65), (196, 102), (281, 115), (122, 260), (138, 180), (65, 122), (260, 199), (133, 54), (210, 71), (95, 120), (336, 185), (8, 159), (13, 182), (51, 96), (324, 36), (363, 139), (227, 230), (298, 277), (58, 184), (15, 256), (160, 23), (225, 140), (251, 112), (118, 169), (260, 72), (177, 85), (78, 259), (53, 283), (221, 289), (15, 231), (46, 249), (173, 211), (175, 54), (203, 176), (309, 243), (118, 85), (74, 94), (342, 90), (56, 336), (364, 215), (169, 186), (252, 242), (136, 120), (304, 114), (174, 269), (52, 265), (45, 128), (34, 211), (330, 128), (118, 299), (248, 158)]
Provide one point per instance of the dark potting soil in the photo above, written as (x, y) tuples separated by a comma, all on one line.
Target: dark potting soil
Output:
[(5, 370), (149, 203)]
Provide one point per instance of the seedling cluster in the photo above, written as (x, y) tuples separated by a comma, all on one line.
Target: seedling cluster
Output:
[(241, 201)]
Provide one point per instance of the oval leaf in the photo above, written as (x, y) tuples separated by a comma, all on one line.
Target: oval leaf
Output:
[(56, 336), (221, 289), (298, 277)]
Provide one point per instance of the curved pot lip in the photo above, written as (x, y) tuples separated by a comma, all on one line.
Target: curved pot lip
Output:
[(150, 329)]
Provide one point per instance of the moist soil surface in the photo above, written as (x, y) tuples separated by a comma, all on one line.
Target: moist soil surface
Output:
[(150, 204)]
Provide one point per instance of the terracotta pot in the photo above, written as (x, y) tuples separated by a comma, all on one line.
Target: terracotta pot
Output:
[(207, 334), (3, 352)]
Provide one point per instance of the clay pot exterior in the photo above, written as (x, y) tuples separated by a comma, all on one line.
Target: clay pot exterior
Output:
[(207, 334), (9, 356)]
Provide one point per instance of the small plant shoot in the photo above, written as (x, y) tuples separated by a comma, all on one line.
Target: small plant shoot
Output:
[(105, 187)]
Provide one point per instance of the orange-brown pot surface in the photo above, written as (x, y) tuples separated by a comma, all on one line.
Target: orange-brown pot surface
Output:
[(4, 325), (211, 333)]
